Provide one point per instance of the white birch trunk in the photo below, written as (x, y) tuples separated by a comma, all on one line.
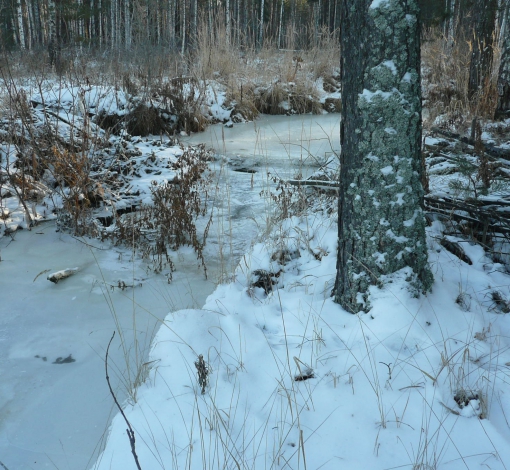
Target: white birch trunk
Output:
[(451, 23), (261, 31), (280, 26), (147, 22), (158, 26), (100, 19), (21, 29), (112, 24), (227, 22), (502, 21), (92, 24), (195, 22), (171, 21), (31, 33), (210, 21), (183, 27), (52, 32), (127, 25)]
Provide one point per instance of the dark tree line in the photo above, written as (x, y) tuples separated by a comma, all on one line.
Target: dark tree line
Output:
[(122, 24)]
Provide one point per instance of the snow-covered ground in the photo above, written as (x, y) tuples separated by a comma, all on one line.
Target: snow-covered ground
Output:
[(296, 382), (293, 381), (55, 413)]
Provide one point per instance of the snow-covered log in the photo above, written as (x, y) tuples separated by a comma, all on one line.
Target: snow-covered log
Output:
[(63, 274)]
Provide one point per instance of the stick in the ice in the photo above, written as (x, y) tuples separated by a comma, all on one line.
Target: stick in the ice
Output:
[(130, 432)]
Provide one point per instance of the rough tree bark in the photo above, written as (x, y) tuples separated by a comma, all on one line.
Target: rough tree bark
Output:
[(381, 228)]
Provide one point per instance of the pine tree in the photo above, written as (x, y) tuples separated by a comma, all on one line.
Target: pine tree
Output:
[(381, 226)]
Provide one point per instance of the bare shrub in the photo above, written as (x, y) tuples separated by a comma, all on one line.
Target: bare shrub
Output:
[(170, 221), (303, 99), (79, 192), (185, 96), (289, 200), (242, 98), (144, 120), (271, 100)]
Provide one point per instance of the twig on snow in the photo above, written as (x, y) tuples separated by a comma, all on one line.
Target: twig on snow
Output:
[(129, 431)]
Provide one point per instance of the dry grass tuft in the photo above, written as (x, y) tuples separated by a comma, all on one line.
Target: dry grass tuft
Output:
[(446, 77)]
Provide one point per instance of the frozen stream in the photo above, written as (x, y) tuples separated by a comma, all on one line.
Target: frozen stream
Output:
[(55, 407)]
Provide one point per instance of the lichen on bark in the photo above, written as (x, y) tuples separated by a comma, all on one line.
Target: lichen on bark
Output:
[(381, 223)]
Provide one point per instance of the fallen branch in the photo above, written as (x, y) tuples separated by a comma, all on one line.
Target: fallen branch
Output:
[(489, 149), (483, 216), (456, 158), (315, 183), (456, 249)]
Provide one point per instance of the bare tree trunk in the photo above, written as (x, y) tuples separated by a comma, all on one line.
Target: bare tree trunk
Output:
[(183, 27), (227, 21), (127, 25), (100, 22), (381, 227), (113, 25), (194, 25), (38, 30), (484, 19), (21, 28), (171, 17), (31, 34), (280, 26), (53, 46), (449, 24), (503, 107), (261, 32), (92, 21), (316, 15)]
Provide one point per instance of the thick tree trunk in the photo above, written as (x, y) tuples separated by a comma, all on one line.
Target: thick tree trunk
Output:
[(381, 228)]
